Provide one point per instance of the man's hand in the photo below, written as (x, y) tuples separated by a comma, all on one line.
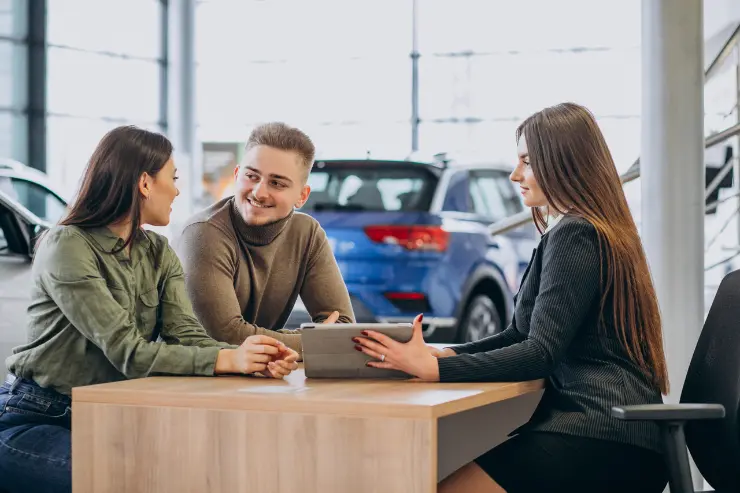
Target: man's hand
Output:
[(332, 319)]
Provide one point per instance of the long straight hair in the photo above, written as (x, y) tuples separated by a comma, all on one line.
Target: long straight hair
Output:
[(575, 170), (109, 190)]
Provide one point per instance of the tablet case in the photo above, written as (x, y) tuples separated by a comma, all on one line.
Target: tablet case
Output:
[(329, 352)]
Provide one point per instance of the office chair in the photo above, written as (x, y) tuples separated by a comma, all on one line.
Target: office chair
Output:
[(706, 420)]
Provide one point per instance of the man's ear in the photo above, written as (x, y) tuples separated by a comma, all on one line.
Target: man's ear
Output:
[(304, 196)]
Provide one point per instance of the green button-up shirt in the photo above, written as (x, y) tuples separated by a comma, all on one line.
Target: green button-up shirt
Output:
[(92, 313)]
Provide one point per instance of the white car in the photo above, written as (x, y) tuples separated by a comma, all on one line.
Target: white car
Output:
[(28, 205), (32, 189)]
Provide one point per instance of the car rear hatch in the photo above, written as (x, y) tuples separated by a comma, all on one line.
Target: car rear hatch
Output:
[(375, 214)]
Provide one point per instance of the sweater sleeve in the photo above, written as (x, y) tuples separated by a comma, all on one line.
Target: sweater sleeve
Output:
[(569, 284), (323, 289), (209, 262)]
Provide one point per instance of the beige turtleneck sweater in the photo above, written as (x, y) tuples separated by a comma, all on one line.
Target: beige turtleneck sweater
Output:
[(244, 280)]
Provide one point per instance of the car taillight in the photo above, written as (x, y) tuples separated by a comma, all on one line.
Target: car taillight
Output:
[(430, 238), (408, 301)]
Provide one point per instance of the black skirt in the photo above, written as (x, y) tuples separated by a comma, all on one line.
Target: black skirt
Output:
[(540, 462)]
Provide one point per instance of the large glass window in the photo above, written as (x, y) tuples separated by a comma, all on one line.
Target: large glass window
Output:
[(104, 69), (526, 25), (484, 66), (125, 27), (482, 73), (14, 19), (13, 79), (70, 143), (13, 135), (12, 83), (97, 85), (346, 83)]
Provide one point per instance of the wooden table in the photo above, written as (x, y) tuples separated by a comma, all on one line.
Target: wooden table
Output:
[(252, 434)]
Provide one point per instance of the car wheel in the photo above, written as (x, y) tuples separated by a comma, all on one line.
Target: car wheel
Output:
[(481, 319)]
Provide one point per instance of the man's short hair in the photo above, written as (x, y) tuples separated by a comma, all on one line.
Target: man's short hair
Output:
[(284, 137)]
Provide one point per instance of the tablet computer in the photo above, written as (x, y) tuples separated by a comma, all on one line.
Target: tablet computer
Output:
[(329, 352)]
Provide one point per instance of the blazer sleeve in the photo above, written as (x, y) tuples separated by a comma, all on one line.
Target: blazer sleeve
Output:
[(497, 341), (569, 285)]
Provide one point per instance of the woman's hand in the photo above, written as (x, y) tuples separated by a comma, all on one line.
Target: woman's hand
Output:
[(254, 355), (282, 364), (413, 357), (441, 353)]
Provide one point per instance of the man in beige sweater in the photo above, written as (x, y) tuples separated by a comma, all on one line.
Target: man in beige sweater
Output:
[(248, 257)]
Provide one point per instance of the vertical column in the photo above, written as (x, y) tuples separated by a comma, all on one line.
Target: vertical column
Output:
[(36, 73), (736, 144), (414, 76), (179, 115), (672, 167)]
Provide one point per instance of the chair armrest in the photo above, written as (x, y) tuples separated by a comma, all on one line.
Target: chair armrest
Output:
[(669, 412)]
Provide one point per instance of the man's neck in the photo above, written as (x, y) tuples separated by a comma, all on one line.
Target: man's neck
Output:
[(262, 234)]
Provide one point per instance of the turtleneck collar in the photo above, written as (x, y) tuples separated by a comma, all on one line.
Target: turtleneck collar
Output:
[(257, 235)]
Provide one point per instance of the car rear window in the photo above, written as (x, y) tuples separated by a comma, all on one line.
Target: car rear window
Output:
[(367, 186)]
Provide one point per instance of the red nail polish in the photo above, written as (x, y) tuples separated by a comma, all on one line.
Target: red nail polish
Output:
[(421, 318), (355, 340), (364, 332), (358, 348)]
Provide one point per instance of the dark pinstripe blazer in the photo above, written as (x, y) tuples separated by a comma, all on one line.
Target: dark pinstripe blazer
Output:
[(554, 334)]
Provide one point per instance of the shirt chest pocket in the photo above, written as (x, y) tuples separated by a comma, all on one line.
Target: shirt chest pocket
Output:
[(146, 310), (121, 296)]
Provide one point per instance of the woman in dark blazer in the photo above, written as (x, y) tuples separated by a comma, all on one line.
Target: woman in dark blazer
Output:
[(586, 319)]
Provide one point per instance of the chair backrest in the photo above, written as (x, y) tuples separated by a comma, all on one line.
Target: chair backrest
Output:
[(714, 377)]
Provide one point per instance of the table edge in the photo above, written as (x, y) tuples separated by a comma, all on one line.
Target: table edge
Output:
[(94, 394)]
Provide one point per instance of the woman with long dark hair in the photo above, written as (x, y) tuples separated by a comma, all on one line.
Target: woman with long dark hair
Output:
[(586, 319), (108, 303)]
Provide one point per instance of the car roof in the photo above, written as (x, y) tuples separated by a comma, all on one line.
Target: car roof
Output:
[(19, 209), (440, 161), (15, 169)]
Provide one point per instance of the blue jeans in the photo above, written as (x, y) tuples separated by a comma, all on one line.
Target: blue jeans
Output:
[(35, 438)]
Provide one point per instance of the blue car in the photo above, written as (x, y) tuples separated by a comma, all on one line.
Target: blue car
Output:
[(412, 237)]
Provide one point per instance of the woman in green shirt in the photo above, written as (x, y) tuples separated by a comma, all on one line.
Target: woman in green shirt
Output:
[(108, 303)]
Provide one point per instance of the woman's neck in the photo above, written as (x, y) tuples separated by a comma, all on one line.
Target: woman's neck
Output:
[(122, 229)]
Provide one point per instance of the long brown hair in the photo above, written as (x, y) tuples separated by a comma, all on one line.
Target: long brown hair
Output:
[(575, 170), (109, 191)]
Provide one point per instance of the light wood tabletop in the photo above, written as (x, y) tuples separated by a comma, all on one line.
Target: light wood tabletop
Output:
[(390, 398)]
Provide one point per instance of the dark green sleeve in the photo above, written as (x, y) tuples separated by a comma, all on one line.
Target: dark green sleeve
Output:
[(70, 274)]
